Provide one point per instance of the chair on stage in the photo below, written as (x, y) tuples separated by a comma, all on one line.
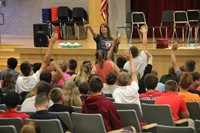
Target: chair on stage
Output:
[(160, 114), (88, 123), (64, 15), (181, 21), (133, 21), (167, 18), (7, 129), (130, 106), (16, 122), (194, 110), (194, 18), (174, 129), (79, 19)]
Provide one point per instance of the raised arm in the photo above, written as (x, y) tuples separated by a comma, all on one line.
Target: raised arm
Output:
[(46, 60), (144, 31), (91, 30), (59, 71), (114, 43), (173, 58), (129, 57)]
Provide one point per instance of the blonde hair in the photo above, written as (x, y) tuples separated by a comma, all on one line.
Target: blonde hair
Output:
[(71, 94), (63, 65), (83, 76), (123, 78), (30, 127)]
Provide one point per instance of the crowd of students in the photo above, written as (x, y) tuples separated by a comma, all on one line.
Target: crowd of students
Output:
[(53, 87)]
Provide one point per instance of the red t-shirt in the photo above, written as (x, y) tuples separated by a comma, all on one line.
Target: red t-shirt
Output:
[(102, 72), (176, 103), (14, 114), (151, 95)]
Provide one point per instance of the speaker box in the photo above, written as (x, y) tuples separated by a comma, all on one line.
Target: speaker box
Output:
[(40, 32)]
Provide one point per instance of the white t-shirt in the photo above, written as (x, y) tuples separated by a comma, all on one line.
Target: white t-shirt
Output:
[(140, 63), (127, 94), (108, 89), (29, 104), (27, 83)]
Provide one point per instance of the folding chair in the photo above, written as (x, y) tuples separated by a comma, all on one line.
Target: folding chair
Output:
[(138, 19), (193, 18), (64, 15), (160, 114), (48, 125), (167, 17), (8, 129), (174, 129), (181, 21), (88, 123), (16, 122)]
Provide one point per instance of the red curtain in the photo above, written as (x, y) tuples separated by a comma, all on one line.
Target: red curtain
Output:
[(153, 8)]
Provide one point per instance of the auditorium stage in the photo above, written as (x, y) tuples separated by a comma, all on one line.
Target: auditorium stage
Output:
[(161, 57)]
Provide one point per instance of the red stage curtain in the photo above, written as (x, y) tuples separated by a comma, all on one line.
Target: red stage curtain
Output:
[(153, 9)]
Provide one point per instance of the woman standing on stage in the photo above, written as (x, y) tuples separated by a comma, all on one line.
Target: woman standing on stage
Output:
[(104, 41)]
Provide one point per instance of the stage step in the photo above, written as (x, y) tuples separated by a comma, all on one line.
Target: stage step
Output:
[(7, 51)]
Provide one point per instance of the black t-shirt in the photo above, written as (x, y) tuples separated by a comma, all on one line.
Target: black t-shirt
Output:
[(61, 108), (105, 44)]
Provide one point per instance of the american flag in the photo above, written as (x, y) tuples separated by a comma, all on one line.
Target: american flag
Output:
[(104, 10)]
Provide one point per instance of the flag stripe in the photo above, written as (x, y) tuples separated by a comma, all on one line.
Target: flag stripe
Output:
[(104, 12)]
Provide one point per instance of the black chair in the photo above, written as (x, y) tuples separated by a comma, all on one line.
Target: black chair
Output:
[(3, 107), (64, 15), (181, 21), (193, 18), (147, 101), (79, 18), (167, 17)]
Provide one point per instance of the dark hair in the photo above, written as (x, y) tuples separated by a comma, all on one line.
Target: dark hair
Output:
[(151, 81), (171, 71), (121, 60), (171, 85), (134, 51), (36, 67), (190, 65), (83, 88), (41, 99), (43, 87), (100, 58), (46, 76), (195, 76), (25, 68), (185, 80), (95, 84), (56, 94), (108, 31), (72, 64), (8, 81), (12, 62), (111, 78), (12, 100)]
